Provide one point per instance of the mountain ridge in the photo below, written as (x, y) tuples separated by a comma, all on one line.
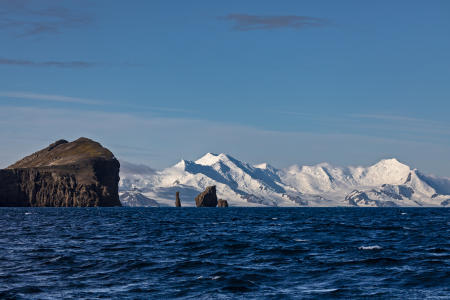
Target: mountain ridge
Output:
[(388, 182)]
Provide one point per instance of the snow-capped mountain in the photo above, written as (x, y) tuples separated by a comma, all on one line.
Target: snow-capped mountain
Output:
[(387, 183), (135, 198)]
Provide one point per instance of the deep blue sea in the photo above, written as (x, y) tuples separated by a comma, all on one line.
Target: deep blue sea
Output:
[(231, 253)]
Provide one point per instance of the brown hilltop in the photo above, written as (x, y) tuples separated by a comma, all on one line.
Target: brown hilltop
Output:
[(79, 173), (62, 153)]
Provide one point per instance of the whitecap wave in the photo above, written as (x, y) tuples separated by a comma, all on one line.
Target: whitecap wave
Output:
[(374, 247), (321, 291)]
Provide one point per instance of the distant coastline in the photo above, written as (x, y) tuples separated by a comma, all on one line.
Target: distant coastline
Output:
[(83, 173)]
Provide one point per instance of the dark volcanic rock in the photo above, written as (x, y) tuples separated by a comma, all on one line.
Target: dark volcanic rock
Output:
[(222, 203), (177, 200), (207, 198), (81, 173)]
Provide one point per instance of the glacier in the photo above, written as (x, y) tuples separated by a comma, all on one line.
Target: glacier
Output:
[(386, 183)]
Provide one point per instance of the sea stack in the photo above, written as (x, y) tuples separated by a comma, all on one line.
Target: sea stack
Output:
[(81, 173), (207, 198), (177, 200), (222, 203)]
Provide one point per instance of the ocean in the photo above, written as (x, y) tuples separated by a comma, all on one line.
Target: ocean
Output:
[(224, 253)]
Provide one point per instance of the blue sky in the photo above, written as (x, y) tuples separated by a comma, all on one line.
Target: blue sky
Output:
[(348, 82)]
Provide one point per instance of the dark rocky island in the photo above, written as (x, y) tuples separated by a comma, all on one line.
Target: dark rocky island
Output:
[(222, 203), (81, 173), (177, 200), (207, 198)]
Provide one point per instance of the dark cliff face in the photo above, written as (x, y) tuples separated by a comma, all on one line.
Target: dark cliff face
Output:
[(77, 174)]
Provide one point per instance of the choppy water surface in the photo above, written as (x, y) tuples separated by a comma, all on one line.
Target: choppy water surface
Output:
[(248, 253)]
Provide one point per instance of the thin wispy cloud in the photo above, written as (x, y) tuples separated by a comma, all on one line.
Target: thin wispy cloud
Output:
[(245, 22), (51, 98), (162, 141), (388, 117), (385, 124), (50, 63), (24, 18), (159, 108), (380, 117), (401, 119), (21, 95)]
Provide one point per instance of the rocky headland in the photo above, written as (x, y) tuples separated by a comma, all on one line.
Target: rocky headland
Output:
[(81, 173)]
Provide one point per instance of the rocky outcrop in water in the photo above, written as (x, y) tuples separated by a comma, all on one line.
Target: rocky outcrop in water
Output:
[(207, 198), (222, 203), (177, 200), (77, 174)]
